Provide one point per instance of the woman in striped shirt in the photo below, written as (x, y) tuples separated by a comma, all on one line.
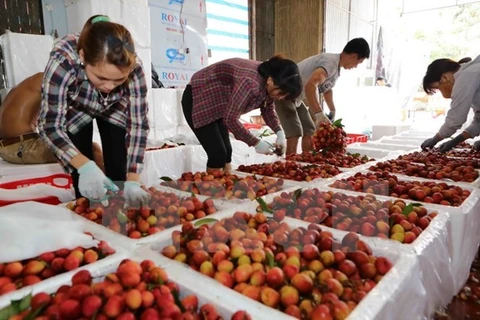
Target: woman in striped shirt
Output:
[(97, 75), (219, 94)]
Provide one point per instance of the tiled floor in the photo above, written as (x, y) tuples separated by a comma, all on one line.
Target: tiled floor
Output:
[(466, 305)]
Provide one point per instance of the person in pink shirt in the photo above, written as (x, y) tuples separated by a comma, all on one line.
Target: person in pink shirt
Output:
[(219, 94)]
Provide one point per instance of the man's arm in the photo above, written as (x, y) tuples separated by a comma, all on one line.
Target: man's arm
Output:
[(328, 96), (311, 86)]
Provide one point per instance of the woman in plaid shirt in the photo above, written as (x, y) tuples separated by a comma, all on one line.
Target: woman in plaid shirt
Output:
[(97, 75), (219, 94)]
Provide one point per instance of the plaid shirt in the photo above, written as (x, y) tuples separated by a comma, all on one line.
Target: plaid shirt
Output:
[(69, 102), (228, 89)]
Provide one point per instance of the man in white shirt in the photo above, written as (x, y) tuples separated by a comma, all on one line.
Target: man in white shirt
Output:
[(461, 83), (319, 74)]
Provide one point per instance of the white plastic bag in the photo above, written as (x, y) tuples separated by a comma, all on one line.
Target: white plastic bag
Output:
[(29, 229)]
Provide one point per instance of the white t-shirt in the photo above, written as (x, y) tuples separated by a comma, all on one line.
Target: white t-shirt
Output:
[(330, 62)]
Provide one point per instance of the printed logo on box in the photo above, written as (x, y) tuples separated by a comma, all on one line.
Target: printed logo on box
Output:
[(175, 2), (173, 19), (175, 76), (174, 55)]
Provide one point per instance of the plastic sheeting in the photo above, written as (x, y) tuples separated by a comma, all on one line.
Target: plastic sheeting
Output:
[(98, 234), (21, 229), (20, 63)]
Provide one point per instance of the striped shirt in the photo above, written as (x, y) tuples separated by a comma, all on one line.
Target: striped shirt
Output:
[(69, 102), (228, 89)]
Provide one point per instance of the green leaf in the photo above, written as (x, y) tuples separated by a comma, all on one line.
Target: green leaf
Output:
[(122, 218), (25, 302), (8, 312), (178, 302), (166, 179), (193, 195), (36, 312), (204, 221), (94, 316), (355, 155), (408, 208), (270, 260), (338, 123), (264, 205), (296, 194)]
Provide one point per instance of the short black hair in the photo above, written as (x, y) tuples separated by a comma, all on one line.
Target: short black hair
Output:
[(359, 46), (285, 75), (435, 71), (464, 60)]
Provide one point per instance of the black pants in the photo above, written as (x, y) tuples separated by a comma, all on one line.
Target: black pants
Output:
[(113, 147), (213, 137)]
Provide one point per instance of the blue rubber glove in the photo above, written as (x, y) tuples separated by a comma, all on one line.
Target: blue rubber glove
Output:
[(134, 195), (263, 147), (281, 142), (92, 182), (449, 145)]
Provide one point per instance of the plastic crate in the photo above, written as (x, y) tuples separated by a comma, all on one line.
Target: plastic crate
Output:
[(354, 137), (56, 180)]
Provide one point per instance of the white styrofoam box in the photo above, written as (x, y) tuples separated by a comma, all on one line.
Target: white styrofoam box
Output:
[(145, 55), (433, 248), (225, 302), (391, 147), (223, 203), (114, 242), (465, 222), (379, 131), (414, 143), (165, 105), (401, 283), (17, 49), (170, 162), (136, 18), (369, 152), (79, 11)]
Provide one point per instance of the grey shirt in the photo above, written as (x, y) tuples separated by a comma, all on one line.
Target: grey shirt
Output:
[(329, 62), (465, 95)]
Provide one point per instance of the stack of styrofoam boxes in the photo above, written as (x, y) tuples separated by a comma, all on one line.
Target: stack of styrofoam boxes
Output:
[(17, 50)]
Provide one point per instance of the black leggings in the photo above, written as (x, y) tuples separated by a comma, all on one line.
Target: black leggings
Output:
[(213, 137), (113, 147)]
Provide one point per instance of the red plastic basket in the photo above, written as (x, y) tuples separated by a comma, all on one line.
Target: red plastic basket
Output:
[(354, 137), (57, 180), (252, 126)]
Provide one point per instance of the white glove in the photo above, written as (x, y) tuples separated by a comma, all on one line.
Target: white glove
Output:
[(320, 118), (263, 147), (281, 141)]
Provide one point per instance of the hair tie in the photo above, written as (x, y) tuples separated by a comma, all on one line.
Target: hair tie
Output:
[(114, 42), (100, 19)]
